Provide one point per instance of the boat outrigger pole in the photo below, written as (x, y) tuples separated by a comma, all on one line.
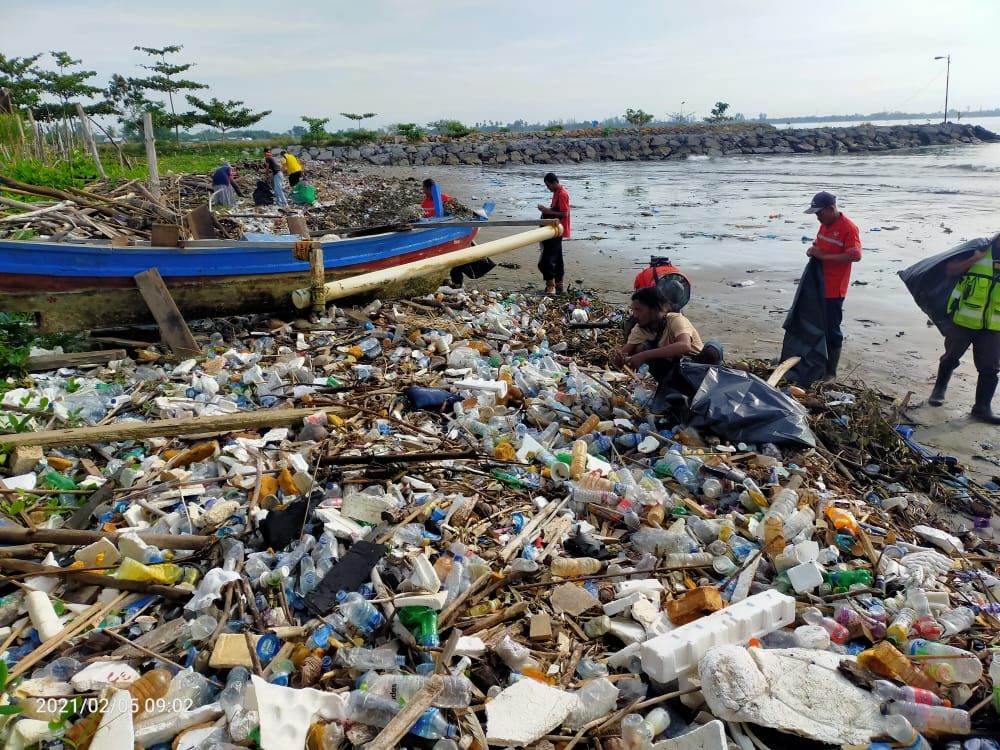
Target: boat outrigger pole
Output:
[(368, 282)]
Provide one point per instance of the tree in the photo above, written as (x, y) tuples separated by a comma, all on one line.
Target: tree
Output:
[(20, 76), (358, 117), (65, 85), (719, 113), (222, 115), (316, 135), (411, 131), (452, 128), (637, 117), (125, 98), (165, 80)]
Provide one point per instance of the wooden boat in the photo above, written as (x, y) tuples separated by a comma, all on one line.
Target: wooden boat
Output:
[(83, 285)]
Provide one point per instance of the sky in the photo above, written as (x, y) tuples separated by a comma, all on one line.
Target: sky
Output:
[(424, 60)]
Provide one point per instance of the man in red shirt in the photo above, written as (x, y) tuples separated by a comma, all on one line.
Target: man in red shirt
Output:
[(551, 261), (427, 204), (837, 246)]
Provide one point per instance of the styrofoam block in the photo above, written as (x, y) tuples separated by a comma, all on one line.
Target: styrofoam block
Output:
[(617, 606), (710, 736), (667, 656), (805, 577), (525, 712), (286, 713), (647, 586), (620, 659), (116, 729)]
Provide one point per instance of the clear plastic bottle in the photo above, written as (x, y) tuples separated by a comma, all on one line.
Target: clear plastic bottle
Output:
[(514, 655), (899, 629), (901, 730), (661, 542), (308, 577), (962, 666), (674, 465), (636, 733), (384, 658), (956, 621), (598, 444), (925, 624), (689, 560), (569, 567), (782, 507), (597, 497), (838, 633), (456, 693), (376, 711), (887, 691), (934, 719), (359, 612), (885, 660), (711, 488), (802, 520), (453, 582)]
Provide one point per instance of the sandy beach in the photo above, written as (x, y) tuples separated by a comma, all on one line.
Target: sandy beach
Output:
[(731, 221)]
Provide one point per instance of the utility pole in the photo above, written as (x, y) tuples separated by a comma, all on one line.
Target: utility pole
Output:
[(947, 81)]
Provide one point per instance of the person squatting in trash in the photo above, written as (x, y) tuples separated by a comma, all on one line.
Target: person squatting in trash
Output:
[(662, 335), (974, 309), (550, 263)]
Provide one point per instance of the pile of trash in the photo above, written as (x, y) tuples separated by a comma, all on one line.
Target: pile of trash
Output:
[(443, 523)]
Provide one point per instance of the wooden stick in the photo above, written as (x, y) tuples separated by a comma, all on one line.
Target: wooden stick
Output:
[(173, 327), (402, 722), (76, 537), (96, 579), (46, 362), (781, 370), (150, 138), (531, 528), (495, 619), (397, 458), (88, 136), (449, 612), (317, 285), (93, 614), (215, 425)]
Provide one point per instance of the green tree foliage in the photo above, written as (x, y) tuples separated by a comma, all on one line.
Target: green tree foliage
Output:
[(316, 135), (411, 131), (358, 117), (19, 75), (222, 115), (719, 113), (67, 85), (165, 80), (452, 128), (637, 117), (125, 98)]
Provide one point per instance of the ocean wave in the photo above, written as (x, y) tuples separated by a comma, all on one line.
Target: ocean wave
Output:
[(973, 167)]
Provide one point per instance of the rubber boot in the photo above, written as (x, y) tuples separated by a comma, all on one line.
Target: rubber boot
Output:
[(559, 286), (940, 385), (832, 362), (986, 386)]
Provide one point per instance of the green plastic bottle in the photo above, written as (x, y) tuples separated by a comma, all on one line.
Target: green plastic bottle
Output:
[(423, 623)]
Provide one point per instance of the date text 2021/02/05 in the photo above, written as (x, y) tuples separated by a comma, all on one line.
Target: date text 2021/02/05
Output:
[(102, 703)]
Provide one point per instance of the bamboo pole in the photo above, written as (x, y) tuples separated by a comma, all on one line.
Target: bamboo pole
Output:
[(37, 133), (368, 282), (88, 136), (78, 537), (317, 287), (154, 171)]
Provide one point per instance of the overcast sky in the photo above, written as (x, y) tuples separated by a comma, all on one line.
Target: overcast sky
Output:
[(422, 60)]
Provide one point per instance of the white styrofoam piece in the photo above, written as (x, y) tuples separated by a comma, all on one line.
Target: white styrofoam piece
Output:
[(163, 727), (626, 631), (103, 674), (596, 464), (781, 688), (525, 712), (431, 601), (471, 646), (620, 659), (424, 574), (710, 736), (116, 729), (667, 656), (194, 738), (28, 732), (805, 577), (647, 586), (286, 713), (20, 482), (103, 548), (941, 539), (43, 615), (617, 606)]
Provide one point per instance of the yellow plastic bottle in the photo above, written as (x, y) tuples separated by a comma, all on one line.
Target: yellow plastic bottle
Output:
[(578, 465), (588, 426), (568, 567), (165, 573)]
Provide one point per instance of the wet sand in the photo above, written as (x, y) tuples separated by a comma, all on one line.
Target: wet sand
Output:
[(888, 346)]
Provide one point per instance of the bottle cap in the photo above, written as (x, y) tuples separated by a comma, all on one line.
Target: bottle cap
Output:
[(267, 646)]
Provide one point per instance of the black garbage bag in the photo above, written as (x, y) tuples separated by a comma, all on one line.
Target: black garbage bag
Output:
[(931, 286), (743, 408), (263, 194), (477, 268), (805, 327)]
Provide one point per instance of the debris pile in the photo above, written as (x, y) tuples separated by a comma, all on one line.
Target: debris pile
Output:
[(442, 522)]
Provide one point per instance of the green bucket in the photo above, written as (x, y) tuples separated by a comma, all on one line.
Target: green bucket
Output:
[(304, 194)]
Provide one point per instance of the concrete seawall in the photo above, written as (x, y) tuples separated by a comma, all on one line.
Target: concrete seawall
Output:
[(653, 145)]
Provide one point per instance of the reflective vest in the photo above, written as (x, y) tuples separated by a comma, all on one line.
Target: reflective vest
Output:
[(975, 300)]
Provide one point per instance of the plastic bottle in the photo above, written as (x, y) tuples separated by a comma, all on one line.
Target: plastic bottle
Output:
[(887, 691), (579, 463), (899, 629), (711, 488), (165, 573), (689, 560), (598, 444), (782, 507), (754, 493), (843, 580), (661, 542), (456, 693), (514, 655), (359, 612), (925, 624), (885, 660), (455, 578), (596, 698), (569, 567), (597, 497), (674, 465), (838, 633), (383, 657), (144, 693), (636, 733), (935, 719), (901, 730), (601, 484), (803, 519), (957, 620), (962, 667), (588, 426), (432, 725), (423, 623), (843, 521)]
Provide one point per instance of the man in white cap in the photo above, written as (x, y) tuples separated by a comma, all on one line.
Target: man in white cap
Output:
[(837, 246)]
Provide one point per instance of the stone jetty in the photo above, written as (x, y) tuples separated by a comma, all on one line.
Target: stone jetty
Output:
[(646, 145)]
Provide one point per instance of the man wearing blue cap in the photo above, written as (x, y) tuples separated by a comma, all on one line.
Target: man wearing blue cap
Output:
[(837, 246)]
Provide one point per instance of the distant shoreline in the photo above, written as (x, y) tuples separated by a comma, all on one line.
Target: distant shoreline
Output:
[(652, 144)]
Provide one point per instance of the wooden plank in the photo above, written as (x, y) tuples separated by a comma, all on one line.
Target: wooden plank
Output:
[(297, 225), (165, 235), (81, 516), (201, 223), (88, 136), (172, 326), (154, 172), (46, 362), (216, 425), (401, 723), (78, 537)]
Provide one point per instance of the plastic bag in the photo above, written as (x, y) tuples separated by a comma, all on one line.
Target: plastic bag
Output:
[(743, 408), (931, 286)]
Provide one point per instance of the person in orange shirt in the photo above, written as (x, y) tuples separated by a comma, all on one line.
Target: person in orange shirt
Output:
[(837, 246), (427, 204), (551, 261)]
